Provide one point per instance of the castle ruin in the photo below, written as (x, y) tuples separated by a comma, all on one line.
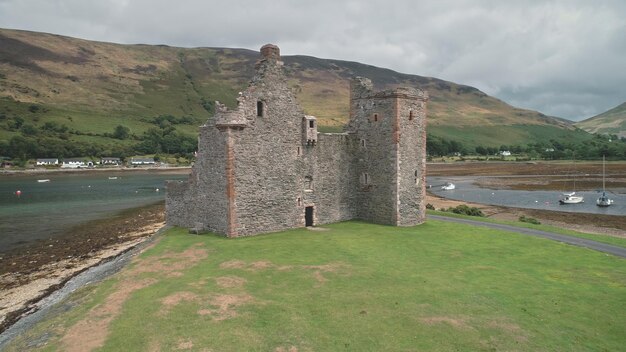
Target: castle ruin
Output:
[(264, 167)]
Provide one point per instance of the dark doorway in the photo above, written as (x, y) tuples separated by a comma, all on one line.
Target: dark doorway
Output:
[(308, 216)]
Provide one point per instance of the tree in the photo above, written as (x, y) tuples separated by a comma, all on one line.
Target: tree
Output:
[(121, 132)]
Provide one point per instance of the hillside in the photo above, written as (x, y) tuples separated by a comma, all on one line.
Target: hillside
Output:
[(609, 122), (92, 87)]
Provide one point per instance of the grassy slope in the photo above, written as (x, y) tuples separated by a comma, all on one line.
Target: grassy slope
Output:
[(100, 85), (361, 287), (612, 121)]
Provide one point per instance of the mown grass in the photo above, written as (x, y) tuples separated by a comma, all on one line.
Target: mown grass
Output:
[(616, 241), (361, 287)]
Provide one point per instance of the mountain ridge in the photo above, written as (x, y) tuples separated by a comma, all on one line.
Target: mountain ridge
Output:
[(94, 86), (612, 121)]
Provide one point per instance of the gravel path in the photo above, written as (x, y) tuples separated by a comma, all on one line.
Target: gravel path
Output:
[(576, 241)]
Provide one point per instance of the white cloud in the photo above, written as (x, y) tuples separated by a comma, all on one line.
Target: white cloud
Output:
[(563, 58)]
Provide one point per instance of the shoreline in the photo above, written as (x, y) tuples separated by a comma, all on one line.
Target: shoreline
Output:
[(615, 225), (31, 273), (44, 171)]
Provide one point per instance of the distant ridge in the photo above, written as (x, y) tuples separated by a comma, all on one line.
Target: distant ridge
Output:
[(612, 121), (93, 86)]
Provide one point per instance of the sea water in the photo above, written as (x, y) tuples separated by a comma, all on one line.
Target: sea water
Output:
[(43, 210), (467, 191)]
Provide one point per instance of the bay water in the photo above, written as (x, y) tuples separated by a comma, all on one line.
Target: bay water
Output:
[(42, 210), (467, 191)]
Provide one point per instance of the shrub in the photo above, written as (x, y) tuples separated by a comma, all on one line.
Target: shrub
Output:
[(430, 206), (529, 220), (466, 210)]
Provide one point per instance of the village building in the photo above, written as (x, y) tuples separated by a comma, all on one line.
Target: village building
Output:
[(142, 161), (73, 164), (47, 162), (264, 167), (110, 161)]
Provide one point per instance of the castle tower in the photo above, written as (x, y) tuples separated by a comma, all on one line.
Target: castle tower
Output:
[(391, 156)]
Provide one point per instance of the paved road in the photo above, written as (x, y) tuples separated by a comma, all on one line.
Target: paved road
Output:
[(576, 241)]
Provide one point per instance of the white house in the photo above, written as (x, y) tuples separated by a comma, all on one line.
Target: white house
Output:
[(110, 161), (73, 164), (505, 153), (142, 161), (45, 161)]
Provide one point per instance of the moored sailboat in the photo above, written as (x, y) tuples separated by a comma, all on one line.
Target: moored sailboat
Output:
[(604, 200), (571, 197)]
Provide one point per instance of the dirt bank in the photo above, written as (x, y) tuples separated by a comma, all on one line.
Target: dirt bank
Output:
[(27, 274)]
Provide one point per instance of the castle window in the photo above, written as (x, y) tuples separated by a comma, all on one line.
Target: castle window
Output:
[(311, 123), (259, 108), (299, 201), (363, 143), (417, 180), (299, 151), (308, 183), (375, 117), (365, 179), (410, 114)]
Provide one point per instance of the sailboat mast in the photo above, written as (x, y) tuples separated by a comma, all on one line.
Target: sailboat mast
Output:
[(603, 173)]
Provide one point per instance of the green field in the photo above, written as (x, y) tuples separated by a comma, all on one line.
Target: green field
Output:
[(353, 286)]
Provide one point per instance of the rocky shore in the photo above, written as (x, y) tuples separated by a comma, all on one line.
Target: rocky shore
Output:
[(30, 273)]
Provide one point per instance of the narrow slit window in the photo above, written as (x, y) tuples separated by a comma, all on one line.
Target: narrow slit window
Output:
[(259, 108), (375, 117), (410, 114), (363, 143), (299, 152), (365, 179), (299, 201)]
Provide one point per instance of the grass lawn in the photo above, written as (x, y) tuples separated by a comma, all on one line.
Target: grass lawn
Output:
[(355, 287), (615, 241)]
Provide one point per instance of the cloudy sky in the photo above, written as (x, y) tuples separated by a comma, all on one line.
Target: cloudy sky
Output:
[(563, 58)]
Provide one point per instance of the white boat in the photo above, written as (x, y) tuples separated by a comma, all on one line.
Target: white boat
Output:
[(448, 186), (43, 180), (571, 198), (112, 177), (604, 200)]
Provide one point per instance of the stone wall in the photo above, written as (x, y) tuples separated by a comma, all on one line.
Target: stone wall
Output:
[(330, 164)]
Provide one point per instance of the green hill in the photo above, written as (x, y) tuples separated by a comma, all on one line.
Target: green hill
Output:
[(91, 87), (608, 122)]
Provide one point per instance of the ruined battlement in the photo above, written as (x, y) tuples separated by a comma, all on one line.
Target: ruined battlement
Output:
[(264, 167)]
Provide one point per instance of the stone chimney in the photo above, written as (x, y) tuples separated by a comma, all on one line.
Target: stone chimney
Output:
[(270, 52)]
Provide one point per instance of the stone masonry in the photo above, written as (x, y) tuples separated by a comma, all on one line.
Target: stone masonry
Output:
[(263, 167)]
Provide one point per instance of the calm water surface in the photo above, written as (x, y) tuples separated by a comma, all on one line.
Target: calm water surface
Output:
[(548, 200), (45, 210)]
